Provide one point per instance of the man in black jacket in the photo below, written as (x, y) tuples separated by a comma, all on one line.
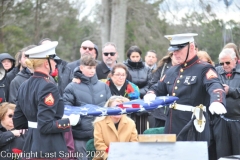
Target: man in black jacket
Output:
[(87, 47), (109, 59), (109, 56)]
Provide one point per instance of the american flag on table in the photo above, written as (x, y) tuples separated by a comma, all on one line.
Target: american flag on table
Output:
[(137, 105)]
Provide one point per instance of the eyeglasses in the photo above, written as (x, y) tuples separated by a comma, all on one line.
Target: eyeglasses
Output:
[(120, 75), (10, 115), (89, 48), (222, 63), (111, 53)]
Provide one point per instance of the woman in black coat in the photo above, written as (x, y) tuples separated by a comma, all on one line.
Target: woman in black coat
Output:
[(139, 72), (4, 85), (11, 140), (140, 76)]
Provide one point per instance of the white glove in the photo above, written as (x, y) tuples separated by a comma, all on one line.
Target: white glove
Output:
[(74, 119), (217, 107), (149, 97), (65, 116)]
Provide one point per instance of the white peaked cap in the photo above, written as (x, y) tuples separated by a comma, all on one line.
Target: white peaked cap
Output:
[(178, 41), (42, 51)]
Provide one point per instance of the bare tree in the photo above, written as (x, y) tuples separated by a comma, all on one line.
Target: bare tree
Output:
[(105, 21), (4, 5), (114, 23), (36, 21), (118, 25)]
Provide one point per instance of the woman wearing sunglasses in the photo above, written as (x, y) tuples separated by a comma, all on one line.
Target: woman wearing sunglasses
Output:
[(10, 138)]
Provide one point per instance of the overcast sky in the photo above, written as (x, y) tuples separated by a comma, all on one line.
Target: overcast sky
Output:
[(181, 7)]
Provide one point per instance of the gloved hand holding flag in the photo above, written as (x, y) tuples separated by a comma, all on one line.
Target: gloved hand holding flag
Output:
[(125, 108)]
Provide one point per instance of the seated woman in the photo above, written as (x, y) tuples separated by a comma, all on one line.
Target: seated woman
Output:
[(118, 128), (10, 138), (119, 85)]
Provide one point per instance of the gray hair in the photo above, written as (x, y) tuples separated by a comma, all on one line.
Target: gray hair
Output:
[(226, 52), (109, 44)]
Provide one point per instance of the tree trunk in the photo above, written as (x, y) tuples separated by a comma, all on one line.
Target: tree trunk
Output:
[(1, 21), (36, 22), (106, 21), (118, 25)]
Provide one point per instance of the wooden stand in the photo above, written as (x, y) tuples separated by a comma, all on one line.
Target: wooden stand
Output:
[(157, 138)]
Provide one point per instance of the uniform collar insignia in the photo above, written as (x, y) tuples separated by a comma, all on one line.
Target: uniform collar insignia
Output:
[(189, 63)]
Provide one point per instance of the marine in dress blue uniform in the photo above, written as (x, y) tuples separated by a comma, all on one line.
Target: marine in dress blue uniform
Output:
[(40, 109), (196, 84)]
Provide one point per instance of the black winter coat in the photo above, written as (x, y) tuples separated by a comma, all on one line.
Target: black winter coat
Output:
[(22, 76), (12, 74), (159, 113), (8, 142), (156, 75), (233, 96), (140, 75), (89, 91), (4, 85), (64, 76), (102, 72), (73, 65)]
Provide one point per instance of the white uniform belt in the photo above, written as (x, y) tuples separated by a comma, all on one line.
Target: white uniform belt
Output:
[(32, 124), (182, 107)]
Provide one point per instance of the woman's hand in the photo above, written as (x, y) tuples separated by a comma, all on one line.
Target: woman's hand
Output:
[(16, 133)]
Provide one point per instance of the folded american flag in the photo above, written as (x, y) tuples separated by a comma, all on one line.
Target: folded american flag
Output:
[(137, 105)]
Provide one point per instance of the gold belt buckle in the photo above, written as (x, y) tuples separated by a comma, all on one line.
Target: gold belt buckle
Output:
[(174, 105)]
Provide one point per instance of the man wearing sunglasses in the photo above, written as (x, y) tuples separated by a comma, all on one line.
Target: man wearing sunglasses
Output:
[(228, 126), (109, 59), (198, 88), (87, 48)]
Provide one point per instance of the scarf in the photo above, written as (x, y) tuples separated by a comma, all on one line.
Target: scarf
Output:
[(114, 89)]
